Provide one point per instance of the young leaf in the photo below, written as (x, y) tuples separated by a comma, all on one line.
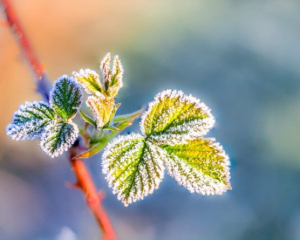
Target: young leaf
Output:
[(116, 81), (66, 97), (87, 119), (201, 166), (90, 81), (174, 118), (29, 121), (102, 108), (133, 167), (58, 137), (105, 69)]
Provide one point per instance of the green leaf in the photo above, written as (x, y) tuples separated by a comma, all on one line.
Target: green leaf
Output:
[(133, 167), (201, 166), (90, 81), (66, 97), (58, 137), (29, 121), (87, 119), (130, 116), (174, 118)]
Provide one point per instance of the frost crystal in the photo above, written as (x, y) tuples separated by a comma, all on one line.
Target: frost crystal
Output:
[(30, 120), (58, 137), (66, 97), (201, 166), (174, 118), (133, 167)]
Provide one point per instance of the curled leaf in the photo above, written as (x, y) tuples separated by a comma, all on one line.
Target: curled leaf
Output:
[(58, 137), (174, 118), (201, 165), (66, 97), (30, 120), (133, 167)]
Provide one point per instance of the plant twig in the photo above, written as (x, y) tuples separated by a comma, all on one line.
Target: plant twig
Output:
[(40, 76), (93, 197), (84, 180)]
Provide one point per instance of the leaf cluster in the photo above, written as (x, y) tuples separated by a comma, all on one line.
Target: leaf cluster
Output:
[(172, 139)]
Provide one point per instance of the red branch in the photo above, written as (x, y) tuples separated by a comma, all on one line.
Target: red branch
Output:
[(35, 66), (84, 180)]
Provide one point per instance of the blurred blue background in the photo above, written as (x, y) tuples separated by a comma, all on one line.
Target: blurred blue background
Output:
[(242, 58)]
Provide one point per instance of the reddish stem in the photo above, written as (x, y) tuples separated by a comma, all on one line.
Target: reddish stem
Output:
[(84, 180), (93, 197)]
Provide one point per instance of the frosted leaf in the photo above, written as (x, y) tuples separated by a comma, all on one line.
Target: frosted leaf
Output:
[(58, 137), (116, 80), (30, 120), (105, 69), (174, 118), (103, 109), (112, 79), (133, 167), (90, 81), (66, 97), (201, 166)]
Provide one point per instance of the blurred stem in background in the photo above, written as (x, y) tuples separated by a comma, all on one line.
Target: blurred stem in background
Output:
[(84, 180)]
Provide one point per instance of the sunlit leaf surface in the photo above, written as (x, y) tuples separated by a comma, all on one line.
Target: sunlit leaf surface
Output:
[(174, 118), (133, 167), (201, 166)]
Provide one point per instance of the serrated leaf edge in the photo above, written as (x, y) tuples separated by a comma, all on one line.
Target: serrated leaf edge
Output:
[(66, 145), (207, 122), (77, 85)]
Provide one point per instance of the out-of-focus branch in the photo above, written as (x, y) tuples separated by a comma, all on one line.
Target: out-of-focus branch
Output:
[(84, 180), (93, 197), (41, 79)]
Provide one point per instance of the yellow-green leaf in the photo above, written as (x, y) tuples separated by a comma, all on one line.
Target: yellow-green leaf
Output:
[(90, 81), (201, 165), (174, 118), (103, 108), (133, 167)]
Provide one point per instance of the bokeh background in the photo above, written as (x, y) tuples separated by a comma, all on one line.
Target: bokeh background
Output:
[(242, 58)]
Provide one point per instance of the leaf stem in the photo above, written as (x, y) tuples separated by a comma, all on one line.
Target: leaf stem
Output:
[(84, 180)]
